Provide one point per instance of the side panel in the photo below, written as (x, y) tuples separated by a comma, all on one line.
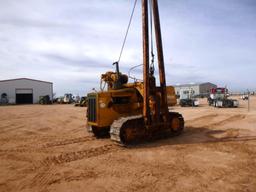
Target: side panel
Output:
[(105, 107), (171, 97)]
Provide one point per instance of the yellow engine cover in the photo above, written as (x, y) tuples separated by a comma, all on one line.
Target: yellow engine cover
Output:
[(105, 107)]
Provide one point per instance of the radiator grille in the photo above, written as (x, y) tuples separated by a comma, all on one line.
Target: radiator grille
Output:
[(92, 115)]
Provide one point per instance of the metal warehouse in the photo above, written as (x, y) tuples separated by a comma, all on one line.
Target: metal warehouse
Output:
[(24, 90), (199, 89)]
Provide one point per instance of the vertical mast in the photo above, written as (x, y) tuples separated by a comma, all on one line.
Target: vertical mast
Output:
[(160, 58), (145, 61)]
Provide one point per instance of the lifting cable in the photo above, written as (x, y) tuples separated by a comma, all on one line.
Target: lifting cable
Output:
[(152, 67), (127, 31)]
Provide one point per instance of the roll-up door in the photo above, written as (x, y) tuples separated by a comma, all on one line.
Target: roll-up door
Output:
[(24, 96)]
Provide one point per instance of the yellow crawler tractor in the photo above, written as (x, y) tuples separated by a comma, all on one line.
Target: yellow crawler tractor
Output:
[(138, 111)]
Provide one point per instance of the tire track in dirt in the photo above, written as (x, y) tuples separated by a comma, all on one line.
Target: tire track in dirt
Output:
[(42, 148), (48, 176), (241, 138), (202, 118), (81, 176), (15, 157), (41, 180), (7, 130), (206, 132), (207, 118), (78, 155), (47, 169), (227, 120), (199, 121), (69, 141), (28, 138)]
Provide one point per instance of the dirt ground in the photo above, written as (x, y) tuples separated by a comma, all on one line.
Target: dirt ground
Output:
[(47, 148)]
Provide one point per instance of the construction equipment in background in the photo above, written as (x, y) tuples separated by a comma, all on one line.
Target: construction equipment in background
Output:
[(138, 111), (44, 100), (245, 96), (60, 100), (82, 102), (4, 99), (219, 98), (187, 98), (68, 98)]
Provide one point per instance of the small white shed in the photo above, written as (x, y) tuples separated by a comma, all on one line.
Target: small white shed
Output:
[(24, 90)]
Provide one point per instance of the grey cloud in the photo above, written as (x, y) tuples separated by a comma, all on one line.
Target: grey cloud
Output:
[(72, 42)]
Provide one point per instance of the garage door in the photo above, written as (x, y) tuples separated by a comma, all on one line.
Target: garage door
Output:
[(24, 96)]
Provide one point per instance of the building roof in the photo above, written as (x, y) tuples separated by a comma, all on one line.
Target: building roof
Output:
[(25, 79), (192, 84)]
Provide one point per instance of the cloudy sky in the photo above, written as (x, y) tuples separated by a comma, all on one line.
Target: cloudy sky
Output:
[(71, 43)]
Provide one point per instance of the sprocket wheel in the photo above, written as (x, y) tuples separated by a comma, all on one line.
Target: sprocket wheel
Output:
[(176, 123)]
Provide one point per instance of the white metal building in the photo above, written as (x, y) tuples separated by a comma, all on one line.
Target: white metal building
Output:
[(24, 90), (199, 89)]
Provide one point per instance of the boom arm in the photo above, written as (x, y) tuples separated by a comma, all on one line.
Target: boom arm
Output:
[(146, 76), (146, 111), (160, 57)]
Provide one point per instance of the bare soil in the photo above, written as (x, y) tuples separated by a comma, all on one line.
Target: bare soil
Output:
[(47, 148)]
